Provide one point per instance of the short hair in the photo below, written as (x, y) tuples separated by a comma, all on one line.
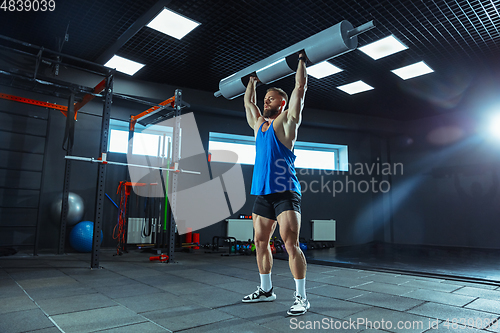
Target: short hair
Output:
[(279, 91)]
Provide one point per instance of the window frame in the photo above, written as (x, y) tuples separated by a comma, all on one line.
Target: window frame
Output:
[(123, 126), (340, 151)]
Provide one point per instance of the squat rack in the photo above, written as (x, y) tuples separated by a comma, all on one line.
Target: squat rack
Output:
[(105, 86), (176, 102)]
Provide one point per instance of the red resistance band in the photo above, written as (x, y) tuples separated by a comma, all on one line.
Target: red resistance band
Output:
[(124, 191)]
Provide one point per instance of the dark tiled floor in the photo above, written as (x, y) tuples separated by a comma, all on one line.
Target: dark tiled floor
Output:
[(473, 264), (202, 293)]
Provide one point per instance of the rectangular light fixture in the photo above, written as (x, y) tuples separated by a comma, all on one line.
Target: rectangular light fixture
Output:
[(383, 47), (410, 71), (124, 65), (355, 87), (172, 24), (323, 69)]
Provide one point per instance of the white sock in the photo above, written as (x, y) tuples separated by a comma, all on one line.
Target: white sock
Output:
[(300, 287), (265, 282)]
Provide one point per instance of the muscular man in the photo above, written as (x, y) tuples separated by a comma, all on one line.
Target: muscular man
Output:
[(276, 185)]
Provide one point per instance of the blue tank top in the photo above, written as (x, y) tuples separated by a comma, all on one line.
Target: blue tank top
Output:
[(274, 169)]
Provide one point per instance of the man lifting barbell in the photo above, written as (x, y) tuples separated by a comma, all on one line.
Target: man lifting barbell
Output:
[(275, 183)]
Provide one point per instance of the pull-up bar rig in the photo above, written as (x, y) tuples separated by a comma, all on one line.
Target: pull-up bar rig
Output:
[(107, 94), (149, 112), (64, 109), (167, 236), (70, 112), (90, 93)]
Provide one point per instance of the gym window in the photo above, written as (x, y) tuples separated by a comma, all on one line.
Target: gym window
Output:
[(146, 141), (310, 155)]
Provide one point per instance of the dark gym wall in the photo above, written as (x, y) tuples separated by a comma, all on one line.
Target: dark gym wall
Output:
[(423, 205), (22, 146), (425, 208), (434, 201), (356, 222)]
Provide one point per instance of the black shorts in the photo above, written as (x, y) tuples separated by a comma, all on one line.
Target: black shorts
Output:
[(272, 205)]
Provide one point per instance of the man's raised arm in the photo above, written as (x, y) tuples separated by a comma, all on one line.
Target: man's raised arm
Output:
[(299, 92), (251, 109)]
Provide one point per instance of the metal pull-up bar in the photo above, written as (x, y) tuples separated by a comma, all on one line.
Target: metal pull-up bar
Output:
[(34, 102), (152, 110), (104, 161)]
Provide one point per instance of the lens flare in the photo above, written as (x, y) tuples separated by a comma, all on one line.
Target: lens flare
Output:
[(495, 126)]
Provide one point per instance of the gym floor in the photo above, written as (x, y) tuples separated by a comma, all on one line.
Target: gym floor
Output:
[(202, 293)]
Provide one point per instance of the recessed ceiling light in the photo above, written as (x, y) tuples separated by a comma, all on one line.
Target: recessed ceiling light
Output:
[(323, 69), (384, 47), (172, 24), (355, 87), (408, 72), (124, 65)]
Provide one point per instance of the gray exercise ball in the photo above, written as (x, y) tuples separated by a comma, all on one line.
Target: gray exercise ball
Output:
[(75, 208)]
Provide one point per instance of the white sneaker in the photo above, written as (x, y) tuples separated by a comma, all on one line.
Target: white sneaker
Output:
[(260, 296), (299, 307)]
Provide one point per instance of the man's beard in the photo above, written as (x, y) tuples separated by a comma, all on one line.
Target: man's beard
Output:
[(270, 113)]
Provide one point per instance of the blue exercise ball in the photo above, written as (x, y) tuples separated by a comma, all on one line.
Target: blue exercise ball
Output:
[(81, 236)]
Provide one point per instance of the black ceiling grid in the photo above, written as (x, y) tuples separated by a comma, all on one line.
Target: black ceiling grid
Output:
[(459, 39)]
